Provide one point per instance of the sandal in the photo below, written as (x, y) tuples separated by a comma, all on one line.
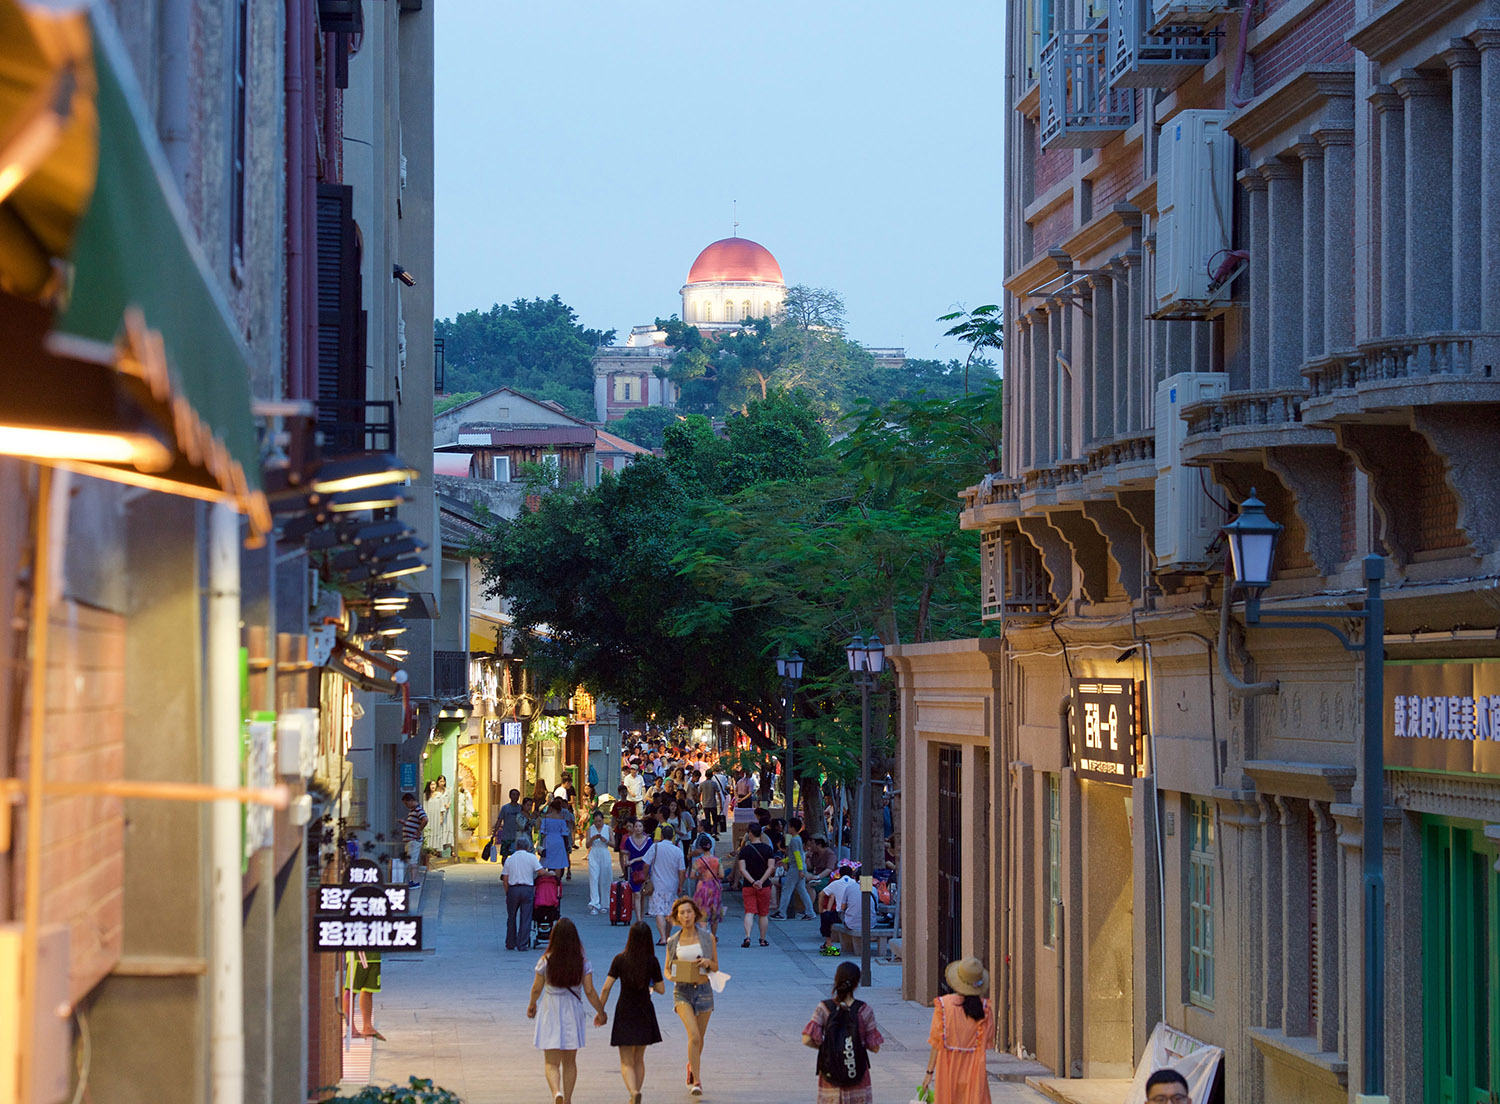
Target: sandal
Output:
[(746, 943), (764, 943)]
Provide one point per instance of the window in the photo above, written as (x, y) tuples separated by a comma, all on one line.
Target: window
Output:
[(1200, 902), (729, 310), (765, 311), (746, 315), (553, 463), (625, 389), (1054, 859), (238, 139), (1038, 29), (501, 469), (708, 312)]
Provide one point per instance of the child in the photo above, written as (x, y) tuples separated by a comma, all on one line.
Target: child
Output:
[(848, 1028)]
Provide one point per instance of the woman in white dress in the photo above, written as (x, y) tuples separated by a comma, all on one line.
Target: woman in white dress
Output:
[(666, 871), (445, 821), (564, 978), (432, 805), (601, 867)]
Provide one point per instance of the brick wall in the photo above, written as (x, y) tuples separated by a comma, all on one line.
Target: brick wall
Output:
[(1437, 521), (1052, 229), (1317, 39), (1051, 167), (1124, 175), (83, 838)]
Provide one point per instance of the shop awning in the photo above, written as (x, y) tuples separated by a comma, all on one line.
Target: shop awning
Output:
[(143, 302)]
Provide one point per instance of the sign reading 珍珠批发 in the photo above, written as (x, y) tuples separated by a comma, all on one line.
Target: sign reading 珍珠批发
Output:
[(361, 934), (1443, 716), (1103, 729)]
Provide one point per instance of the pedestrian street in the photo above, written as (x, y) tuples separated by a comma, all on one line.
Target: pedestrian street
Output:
[(458, 1014)]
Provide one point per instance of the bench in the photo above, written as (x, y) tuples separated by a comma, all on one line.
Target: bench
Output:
[(852, 942)]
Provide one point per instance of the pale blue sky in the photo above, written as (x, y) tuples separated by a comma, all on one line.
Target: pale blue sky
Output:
[(592, 147)]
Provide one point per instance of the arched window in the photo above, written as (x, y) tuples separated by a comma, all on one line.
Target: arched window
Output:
[(767, 308), (728, 310), (747, 310)]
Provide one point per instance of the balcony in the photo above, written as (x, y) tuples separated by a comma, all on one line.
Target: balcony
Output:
[(1123, 463), (355, 425), (1140, 57), (1396, 372), (1239, 424), (1014, 581), (1080, 109), (450, 674)]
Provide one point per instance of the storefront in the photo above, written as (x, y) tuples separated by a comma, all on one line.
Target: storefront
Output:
[(1443, 727)]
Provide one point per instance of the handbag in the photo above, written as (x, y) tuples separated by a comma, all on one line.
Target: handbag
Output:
[(647, 888), (488, 854)]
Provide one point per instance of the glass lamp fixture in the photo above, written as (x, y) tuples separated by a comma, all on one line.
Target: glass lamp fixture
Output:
[(790, 666), (874, 655), (376, 571), (357, 473), (1252, 544), (855, 652), (370, 498)]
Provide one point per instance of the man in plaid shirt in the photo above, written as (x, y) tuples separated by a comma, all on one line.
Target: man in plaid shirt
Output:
[(412, 827)]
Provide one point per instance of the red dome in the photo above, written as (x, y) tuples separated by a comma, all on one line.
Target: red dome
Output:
[(735, 259)]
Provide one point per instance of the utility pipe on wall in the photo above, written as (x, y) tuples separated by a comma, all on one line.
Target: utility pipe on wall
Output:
[(1064, 712), (226, 937)]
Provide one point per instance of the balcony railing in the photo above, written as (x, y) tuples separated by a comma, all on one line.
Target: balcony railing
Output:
[(1014, 581), (1435, 356), (1244, 410), (356, 425), (1142, 58), (450, 674), (1080, 109)]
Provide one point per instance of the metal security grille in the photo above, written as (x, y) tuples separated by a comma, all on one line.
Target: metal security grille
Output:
[(950, 858), (1054, 859), (1200, 903)]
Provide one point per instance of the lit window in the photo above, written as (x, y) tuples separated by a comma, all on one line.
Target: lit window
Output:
[(1200, 903), (708, 312), (1054, 858), (625, 388), (729, 310), (746, 315)]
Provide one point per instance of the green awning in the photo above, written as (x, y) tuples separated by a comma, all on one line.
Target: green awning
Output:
[(144, 298)]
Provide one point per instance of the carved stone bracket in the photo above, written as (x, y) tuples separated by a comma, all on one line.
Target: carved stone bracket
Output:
[(1141, 506), (1317, 497), (1090, 551), (1388, 455), (1124, 535), (1057, 558), (1468, 439)]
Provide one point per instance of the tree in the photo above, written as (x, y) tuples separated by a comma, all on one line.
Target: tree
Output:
[(529, 344), (448, 402), (645, 427), (981, 328), (808, 307)]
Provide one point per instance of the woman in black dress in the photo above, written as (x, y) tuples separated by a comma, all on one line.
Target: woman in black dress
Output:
[(639, 973)]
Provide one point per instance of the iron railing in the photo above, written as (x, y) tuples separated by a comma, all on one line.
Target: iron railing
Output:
[(450, 674), (1140, 57), (357, 425), (1080, 109)]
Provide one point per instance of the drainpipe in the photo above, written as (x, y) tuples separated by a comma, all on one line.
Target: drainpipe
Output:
[(174, 100), (227, 1014), (1064, 712)]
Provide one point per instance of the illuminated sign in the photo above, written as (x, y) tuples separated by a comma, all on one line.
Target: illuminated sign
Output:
[(1102, 729)]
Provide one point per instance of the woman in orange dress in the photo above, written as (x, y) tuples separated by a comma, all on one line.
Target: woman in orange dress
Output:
[(961, 1031)]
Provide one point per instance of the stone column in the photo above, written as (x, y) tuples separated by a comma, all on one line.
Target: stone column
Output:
[(1390, 128), (1061, 429), (1325, 839), (1466, 108), (1487, 175), (1429, 199), (1295, 920), (1338, 238), (1260, 268), (1057, 318), (1034, 373), (1017, 426), (1314, 274), (1284, 295), (1271, 831), (1101, 400), (1133, 361)]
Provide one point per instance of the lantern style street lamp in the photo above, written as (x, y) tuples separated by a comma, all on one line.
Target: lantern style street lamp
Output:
[(1252, 549), (867, 661), (789, 667)]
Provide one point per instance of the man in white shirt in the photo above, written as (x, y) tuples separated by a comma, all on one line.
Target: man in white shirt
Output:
[(518, 875), (635, 785), (842, 898)]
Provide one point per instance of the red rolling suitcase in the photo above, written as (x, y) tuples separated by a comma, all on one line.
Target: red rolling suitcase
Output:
[(621, 903)]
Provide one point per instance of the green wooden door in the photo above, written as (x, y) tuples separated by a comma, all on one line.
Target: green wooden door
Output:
[(1461, 965)]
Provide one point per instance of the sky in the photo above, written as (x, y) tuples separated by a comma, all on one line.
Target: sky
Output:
[(592, 148)]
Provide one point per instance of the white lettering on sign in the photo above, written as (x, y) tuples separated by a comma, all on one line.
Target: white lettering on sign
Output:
[(367, 906), (364, 874), (396, 896), (1446, 716), (1097, 724), (372, 934)]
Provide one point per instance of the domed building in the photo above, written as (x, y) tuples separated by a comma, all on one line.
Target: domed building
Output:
[(733, 281)]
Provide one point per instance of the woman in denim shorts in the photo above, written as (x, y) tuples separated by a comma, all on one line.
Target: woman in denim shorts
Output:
[(694, 1001)]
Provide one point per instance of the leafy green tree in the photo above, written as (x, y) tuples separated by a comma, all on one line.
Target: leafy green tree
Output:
[(645, 427), (980, 328), (448, 402), (528, 344)]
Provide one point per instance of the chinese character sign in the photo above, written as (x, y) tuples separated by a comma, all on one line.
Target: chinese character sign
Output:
[(1443, 716), (1103, 729), (355, 934)]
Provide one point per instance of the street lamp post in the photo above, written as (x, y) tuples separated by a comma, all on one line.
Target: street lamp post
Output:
[(867, 661), (1252, 548), (789, 667)]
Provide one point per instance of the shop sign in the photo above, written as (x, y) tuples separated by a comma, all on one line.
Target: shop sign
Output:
[(408, 777), (1103, 729), (510, 732), (362, 872), (365, 900), (1443, 716), (399, 934)]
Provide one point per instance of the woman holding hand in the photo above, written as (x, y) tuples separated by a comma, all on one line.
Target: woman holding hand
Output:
[(563, 978), (639, 975)]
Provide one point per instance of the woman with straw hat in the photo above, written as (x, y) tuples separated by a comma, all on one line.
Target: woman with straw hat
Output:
[(961, 1030)]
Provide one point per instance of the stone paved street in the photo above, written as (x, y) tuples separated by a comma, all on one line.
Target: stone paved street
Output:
[(458, 1015)]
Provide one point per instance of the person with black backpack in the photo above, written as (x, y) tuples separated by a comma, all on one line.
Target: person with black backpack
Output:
[(843, 1032)]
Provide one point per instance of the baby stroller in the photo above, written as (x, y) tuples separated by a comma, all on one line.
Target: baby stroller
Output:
[(546, 907)]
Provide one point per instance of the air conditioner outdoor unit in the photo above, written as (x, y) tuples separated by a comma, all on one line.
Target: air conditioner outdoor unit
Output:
[(1195, 213), (1186, 518)]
